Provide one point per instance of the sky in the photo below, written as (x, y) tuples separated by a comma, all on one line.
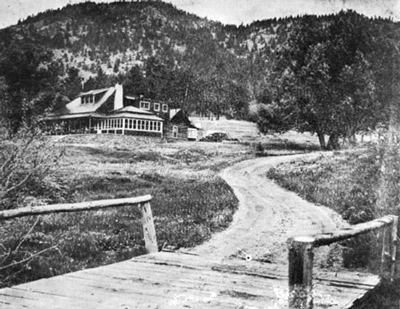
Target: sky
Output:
[(226, 11)]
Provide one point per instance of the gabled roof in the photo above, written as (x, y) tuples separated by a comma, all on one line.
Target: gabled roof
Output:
[(76, 106), (173, 112), (179, 116)]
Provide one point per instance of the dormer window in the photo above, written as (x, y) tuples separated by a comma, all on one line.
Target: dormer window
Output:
[(145, 105), (87, 99), (156, 107), (165, 108)]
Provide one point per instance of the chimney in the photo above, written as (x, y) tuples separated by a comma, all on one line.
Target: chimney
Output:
[(119, 97)]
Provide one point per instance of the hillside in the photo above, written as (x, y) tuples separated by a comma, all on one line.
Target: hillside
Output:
[(155, 50)]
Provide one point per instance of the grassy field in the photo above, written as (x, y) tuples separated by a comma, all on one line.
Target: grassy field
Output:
[(353, 184), (190, 201)]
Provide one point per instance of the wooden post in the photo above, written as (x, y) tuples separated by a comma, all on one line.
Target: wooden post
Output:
[(300, 272), (393, 247), (385, 248), (149, 232)]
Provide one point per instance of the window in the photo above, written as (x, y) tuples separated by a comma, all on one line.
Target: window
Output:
[(134, 124), (145, 105), (159, 126), (156, 107), (88, 99), (165, 108)]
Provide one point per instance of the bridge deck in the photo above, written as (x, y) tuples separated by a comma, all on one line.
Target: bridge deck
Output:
[(171, 280)]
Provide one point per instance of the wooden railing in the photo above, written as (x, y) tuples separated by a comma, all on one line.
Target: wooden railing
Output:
[(301, 256), (143, 202)]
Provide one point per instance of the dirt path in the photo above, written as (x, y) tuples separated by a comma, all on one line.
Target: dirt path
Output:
[(267, 216)]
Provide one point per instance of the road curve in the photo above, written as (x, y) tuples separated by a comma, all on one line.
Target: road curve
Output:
[(267, 215)]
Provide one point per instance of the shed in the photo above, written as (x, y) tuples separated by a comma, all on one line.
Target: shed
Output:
[(180, 127)]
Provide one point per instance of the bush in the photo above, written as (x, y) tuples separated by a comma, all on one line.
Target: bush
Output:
[(27, 163)]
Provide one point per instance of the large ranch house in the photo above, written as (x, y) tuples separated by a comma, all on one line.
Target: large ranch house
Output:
[(108, 110)]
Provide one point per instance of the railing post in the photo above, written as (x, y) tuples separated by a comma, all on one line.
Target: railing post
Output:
[(300, 272), (386, 245), (149, 232), (393, 247)]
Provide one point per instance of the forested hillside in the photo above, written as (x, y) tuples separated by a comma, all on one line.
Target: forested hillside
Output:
[(164, 53)]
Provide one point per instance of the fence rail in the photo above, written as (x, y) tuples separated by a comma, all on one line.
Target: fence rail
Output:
[(143, 202), (301, 256)]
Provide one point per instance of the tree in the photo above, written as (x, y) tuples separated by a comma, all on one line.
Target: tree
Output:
[(325, 81), (134, 83), (29, 75), (73, 83)]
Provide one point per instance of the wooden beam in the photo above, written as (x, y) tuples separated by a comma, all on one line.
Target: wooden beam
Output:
[(94, 205), (355, 230)]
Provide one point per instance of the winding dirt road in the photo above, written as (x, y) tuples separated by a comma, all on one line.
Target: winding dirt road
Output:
[(267, 216)]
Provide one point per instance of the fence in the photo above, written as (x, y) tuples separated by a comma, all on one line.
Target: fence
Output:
[(301, 256), (143, 202)]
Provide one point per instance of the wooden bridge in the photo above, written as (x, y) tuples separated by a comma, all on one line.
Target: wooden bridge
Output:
[(182, 280)]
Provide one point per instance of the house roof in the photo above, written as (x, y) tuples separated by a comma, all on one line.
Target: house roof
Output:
[(173, 112), (132, 109), (76, 107), (146, 116), (134, 115), (179, 116), (91, 92), (72, 116)]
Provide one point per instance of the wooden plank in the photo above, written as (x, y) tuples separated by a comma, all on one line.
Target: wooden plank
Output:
[(58, 208), (168, 280), (128, 293)]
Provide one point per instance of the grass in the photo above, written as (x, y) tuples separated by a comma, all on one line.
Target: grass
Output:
[(355, 186), (190, 202)]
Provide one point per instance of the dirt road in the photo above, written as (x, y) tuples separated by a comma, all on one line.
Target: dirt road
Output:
[(267, 216)]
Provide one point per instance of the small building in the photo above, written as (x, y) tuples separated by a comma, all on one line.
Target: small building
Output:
[(180, 127), (109, 111)]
